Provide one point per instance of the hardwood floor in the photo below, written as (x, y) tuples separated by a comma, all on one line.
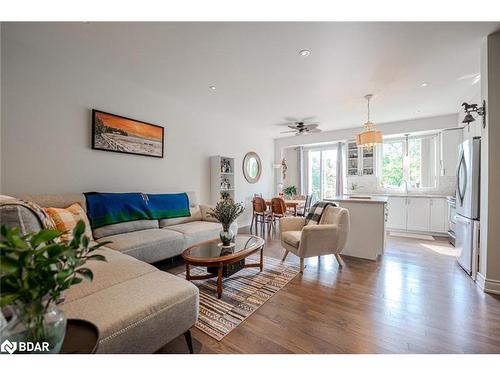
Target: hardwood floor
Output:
[(415, 299)]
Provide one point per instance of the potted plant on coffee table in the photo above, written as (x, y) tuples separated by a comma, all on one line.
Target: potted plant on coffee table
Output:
[(226, 211), (35, 270)]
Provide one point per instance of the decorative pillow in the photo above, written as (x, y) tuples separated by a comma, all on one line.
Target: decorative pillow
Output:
[(65, 220)]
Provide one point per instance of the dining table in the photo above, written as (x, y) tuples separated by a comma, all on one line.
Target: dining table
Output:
[(290, 203)]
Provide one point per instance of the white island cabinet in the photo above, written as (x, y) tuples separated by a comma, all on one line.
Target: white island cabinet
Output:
[(418, 214), (367, 230)]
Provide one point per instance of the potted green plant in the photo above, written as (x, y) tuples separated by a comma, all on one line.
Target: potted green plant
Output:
[(290, 191), (35, 270), (226, 212)]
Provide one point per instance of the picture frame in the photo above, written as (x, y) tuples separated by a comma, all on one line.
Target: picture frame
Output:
[(115, 133)]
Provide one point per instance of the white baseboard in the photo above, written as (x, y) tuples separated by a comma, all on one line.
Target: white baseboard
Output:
[(488, 285), (480, 280)]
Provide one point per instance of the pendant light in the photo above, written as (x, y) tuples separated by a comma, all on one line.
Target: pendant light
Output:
[(369, 137)]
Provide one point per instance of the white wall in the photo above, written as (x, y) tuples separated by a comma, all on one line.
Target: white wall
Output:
[(489, 265), (292, 178), (45, 145), (0, 108)]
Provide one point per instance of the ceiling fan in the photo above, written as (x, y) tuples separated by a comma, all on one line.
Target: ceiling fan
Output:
[(300, 128)]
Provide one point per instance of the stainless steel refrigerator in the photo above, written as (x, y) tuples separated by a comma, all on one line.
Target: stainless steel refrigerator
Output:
[(467, 203)]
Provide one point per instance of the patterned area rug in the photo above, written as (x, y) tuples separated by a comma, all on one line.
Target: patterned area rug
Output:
[(242, 294)]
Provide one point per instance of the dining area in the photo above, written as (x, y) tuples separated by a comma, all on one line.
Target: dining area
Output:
[(266, 212)]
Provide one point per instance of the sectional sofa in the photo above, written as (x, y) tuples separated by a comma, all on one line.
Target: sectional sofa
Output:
[(136, 307)]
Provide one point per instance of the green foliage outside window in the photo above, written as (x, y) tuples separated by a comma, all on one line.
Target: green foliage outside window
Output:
[(392, 174)]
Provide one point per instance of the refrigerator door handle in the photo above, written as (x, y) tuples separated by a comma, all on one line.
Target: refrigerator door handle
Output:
[(461, 183)]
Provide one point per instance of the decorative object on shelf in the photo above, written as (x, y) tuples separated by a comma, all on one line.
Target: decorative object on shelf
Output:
[(225, 166), (290, 191), (122, 134), (225, 184), (284, 168), (469, 108), (224, 195), (252, 167), (370, 136), (35, 270), (226, 212)]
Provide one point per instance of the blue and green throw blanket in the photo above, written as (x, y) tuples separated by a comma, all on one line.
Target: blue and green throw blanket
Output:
[(111, 208)]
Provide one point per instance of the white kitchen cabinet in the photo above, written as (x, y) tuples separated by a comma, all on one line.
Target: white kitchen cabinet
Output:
[(417, 216), (438, 215), (449, 141), (360, 160), (396, 213)]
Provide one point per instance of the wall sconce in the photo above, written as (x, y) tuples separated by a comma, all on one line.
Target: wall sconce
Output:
[(469, 108)]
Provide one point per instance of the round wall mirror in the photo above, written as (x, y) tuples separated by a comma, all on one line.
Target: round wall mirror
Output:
[(252, 167)]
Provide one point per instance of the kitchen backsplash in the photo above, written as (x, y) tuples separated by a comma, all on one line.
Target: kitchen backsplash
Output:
[(369, 185)]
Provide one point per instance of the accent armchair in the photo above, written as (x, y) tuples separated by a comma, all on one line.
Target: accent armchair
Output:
[(327, 237)]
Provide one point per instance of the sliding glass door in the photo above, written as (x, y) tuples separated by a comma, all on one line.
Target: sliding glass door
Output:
[(322, 173)]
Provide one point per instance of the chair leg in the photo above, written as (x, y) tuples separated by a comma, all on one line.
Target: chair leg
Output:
[(339, 259), (189, 341), (301, 265), (285, 255)]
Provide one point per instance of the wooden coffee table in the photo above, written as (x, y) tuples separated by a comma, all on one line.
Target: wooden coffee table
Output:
[(222, 261)]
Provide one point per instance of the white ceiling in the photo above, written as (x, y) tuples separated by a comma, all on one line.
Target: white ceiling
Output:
[(260, 76)]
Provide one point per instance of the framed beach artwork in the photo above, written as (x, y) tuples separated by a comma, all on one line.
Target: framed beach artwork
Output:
[(121, 134)]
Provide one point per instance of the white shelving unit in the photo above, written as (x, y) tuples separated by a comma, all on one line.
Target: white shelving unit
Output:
[(221, 177)]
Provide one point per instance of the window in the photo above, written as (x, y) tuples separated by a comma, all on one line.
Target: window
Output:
[(411, 160), (322, 173)]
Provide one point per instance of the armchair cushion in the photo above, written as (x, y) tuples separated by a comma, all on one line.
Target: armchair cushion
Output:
[(292, 238), (291, 224)]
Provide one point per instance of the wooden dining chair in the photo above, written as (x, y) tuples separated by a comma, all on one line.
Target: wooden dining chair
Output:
[(304, 210), (278, 210), (260, 215)]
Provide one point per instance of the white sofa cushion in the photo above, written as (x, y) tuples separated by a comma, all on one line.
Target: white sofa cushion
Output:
[(150, 245), (197, 231)]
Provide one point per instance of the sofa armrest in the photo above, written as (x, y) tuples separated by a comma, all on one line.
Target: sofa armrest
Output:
[(205, 208), (291, 224), (318, 240)]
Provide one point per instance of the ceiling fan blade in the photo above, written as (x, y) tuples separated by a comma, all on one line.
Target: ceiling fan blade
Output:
[(315, 131), (289, 131), (311, 126), (294, 127)]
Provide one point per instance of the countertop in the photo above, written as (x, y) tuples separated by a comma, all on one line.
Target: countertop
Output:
[(347, 198), (409, 195)]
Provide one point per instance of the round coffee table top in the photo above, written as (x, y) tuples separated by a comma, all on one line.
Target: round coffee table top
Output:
[(213, 251), (81, 337)]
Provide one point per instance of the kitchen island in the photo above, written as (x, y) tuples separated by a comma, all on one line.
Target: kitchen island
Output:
[(367, 232)]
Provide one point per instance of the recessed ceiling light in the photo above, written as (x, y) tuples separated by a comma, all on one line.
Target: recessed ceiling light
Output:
[(212, 87), (424, 84), (304, 53)]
